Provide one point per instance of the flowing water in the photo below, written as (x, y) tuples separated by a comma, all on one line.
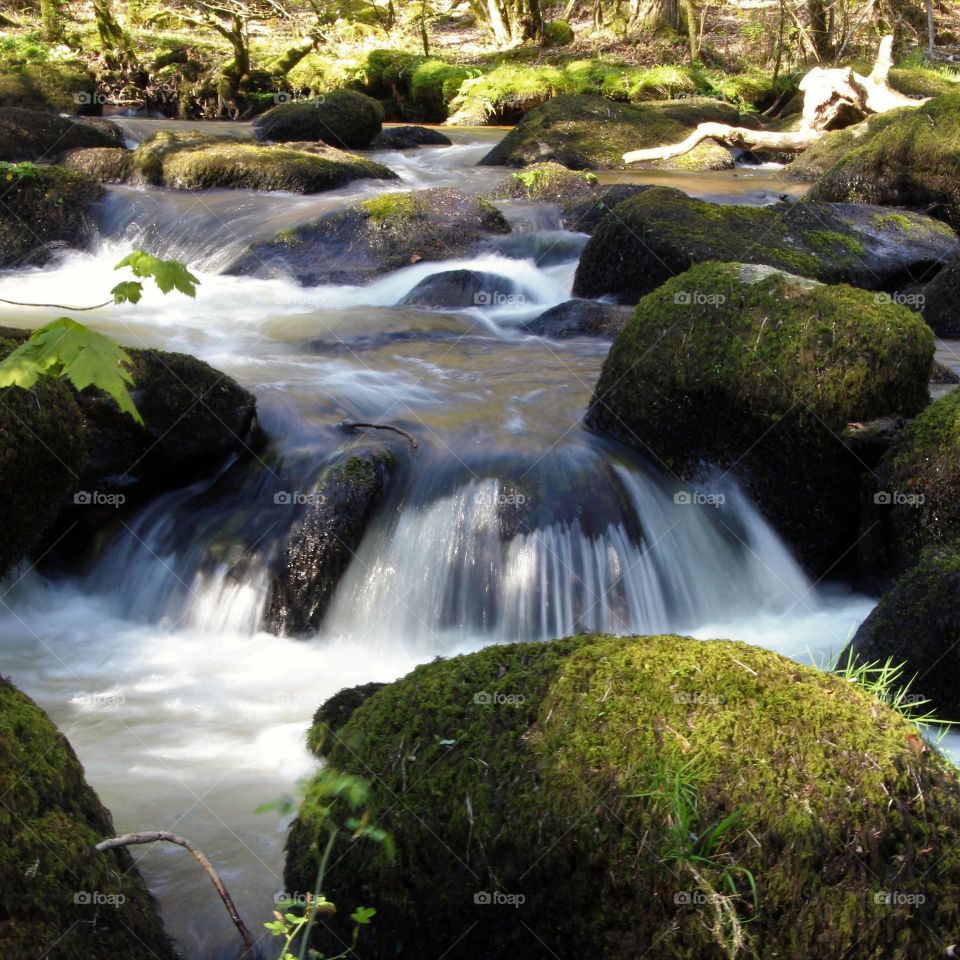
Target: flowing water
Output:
[(150, 655)]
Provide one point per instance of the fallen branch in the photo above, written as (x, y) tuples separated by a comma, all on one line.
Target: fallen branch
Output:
[(349, 425), (58, 306), (741, 138), (128, 839)]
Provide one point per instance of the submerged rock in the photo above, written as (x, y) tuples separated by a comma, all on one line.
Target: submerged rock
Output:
[(758, 372), (375, 236), (905, 158), (404, 138), (462, 288), (593, 133), (323, 541), (580, 318), (195, 161), (341, 118), (59, 898), (912, 501), (550, 181), (45, 208), (917, 624), (37, 135), (661, 232), (524, 787)]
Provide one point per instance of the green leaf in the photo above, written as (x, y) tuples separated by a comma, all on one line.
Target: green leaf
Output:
[(363, 915), (129, 291), (167, 274), (65, 348)]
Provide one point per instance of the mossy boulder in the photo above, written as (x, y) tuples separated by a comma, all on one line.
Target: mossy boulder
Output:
[(372, 237), (103, 164), (758, 372), (44, 208), (941, 301), (59, 898), (912, 500), (520, 785), (917, 623), (557, 33), (48, 86), (36, 135), (593, 133), (583, 215), (661, 232), (194, 161), (824, 154), (405, 138), (342, 118), (323, 539), (550, 181), (906, 158), (580, 318)]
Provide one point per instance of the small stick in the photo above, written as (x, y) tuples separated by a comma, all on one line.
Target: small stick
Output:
[(349, 425), (58, 306), (250, 953)]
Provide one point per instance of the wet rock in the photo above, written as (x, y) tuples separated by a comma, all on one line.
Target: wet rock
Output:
[(372, 237), (941, 301), (550, 182), (405, 138), (544, 247), (584, 216), (37, 135), (461, 288), (580, 318), (323, 540), (103, 164), (661, 232), (342, 118)]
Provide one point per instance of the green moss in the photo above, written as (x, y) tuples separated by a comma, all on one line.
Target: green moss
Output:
[(508, 768), (50, 820), (390, 206), (546, 181), (884, 220), (830, 241), (557, 33), (59, 87), (342, 118)]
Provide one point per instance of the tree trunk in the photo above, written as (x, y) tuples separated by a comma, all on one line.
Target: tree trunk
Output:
[(820, 29), (655, 16), (50, 17)]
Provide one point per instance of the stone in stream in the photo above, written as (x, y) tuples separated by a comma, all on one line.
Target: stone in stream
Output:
[(455, 289), (323, 540), (905, 158), (758, 372), (917, 624), (584, 216), (661, 232), (342, 118), (941, 301), (592, 133), (103, 164), (197, 161), (37, 135), (550, 182), (45, 208), (405, 138), (59, 898), (372, 237), (63, 452), (530, 820), (580, 318), (911, 502)]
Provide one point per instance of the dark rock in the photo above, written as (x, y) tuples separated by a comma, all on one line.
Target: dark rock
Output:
[(103, 164), (941, 301), (580, 318), (550, 182), (37, 135), (405, 138), (584, 216), (461, 288), (342, 118)]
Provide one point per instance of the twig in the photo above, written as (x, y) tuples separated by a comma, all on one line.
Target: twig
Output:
[(128, 839), (350, 425), (58, 306)]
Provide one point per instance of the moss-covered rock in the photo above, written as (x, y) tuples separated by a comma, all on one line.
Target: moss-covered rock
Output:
[(593, 133), (103, 164), (661, 232), (912, 501), (758, 372), (941, 301), (917, 623), (557, 33), (516, 783), (375, 236), (49, 86), (825, 153), (35, 135), (906, 158), (549, 181), (194, 161), (584, 215), (342, 118), (405, 138), (59, 898), (44, 208), (324, 539)]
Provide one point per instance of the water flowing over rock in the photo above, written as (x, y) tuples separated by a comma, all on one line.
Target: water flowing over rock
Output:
[(461, 288), (37, 135), (580, 318), (405, 138), (342, 118)]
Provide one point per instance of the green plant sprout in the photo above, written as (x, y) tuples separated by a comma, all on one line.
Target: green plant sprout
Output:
[(68, 349)]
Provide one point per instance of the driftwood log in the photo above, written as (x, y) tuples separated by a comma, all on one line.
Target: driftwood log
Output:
[(833, 97)]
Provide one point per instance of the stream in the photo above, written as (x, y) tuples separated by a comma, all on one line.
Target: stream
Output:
[(149, 656)]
